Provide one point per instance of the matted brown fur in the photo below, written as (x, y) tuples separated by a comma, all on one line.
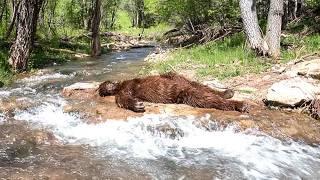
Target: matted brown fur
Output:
[(168, 89)]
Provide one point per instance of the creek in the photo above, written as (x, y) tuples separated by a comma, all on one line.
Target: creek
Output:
[(70, 148)]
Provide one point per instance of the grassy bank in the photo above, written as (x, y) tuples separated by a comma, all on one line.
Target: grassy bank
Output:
[(45, 53), (231, 57)]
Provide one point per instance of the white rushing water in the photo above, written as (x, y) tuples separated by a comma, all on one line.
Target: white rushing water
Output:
[(4, 94), (42, 77), (182, 140), (2, 117)]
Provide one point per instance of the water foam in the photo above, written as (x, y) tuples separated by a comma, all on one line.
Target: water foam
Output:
[(257, 155), (41, 77), (4, 94)]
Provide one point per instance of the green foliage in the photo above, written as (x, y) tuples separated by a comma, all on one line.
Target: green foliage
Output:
[(199, 11), (5, 72)]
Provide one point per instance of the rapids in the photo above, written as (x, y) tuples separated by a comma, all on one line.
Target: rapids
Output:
[(148, 147)]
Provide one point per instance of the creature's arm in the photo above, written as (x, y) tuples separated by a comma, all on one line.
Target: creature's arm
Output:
[(125, 99)]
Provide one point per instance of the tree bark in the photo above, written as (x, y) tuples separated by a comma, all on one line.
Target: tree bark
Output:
[(26, 25), (95, 44), (285, 14), (140, 13), (251, 26), (273, 34)]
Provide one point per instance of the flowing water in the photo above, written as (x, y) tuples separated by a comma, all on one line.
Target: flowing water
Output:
[(133, 149)]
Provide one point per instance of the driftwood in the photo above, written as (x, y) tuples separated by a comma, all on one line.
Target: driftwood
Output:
[(199, 34)]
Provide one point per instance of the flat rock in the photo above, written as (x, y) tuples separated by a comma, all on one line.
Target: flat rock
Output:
[(87, 89), (306, 68), (215, 84), (291, 93)]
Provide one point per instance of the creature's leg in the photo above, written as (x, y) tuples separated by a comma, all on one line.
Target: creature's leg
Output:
[(196, 98), (125, 100)]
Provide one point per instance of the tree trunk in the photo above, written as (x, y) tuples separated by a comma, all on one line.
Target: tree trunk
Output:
[(95, 45), (285, 14), (26, 25), (90, 14), (273, 33), (251, 26), (35, 17), (292, 9), (140, 13)]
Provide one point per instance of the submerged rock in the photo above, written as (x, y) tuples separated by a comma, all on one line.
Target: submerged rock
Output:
[(291, 93)]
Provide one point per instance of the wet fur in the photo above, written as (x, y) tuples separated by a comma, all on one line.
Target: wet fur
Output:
[(168, 89)]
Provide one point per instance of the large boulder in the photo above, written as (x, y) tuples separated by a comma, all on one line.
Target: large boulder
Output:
[(291, 93), (307, 68)]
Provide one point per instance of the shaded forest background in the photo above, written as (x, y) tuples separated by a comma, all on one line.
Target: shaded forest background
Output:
[(211, 31)]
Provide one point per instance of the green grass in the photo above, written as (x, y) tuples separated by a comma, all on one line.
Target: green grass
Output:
[(300, 46), (230, 57), (220, 59)]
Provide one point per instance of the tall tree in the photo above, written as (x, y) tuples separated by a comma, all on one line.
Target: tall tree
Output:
[(95, 43), (139, 13), (26, 27), (273, 33)]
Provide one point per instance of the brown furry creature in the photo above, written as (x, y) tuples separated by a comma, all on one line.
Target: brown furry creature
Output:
[(168, 88)]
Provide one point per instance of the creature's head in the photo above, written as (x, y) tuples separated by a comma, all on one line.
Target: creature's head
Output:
[(108, 88)]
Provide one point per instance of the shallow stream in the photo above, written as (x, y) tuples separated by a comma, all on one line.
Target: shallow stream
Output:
[(133, 149)]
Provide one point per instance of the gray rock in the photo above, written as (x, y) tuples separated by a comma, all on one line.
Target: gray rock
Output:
[(291, 93), (215, 84), (80, 88), (307, 68)]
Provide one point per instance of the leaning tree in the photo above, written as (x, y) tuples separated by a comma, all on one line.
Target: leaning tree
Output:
[(270, 43)]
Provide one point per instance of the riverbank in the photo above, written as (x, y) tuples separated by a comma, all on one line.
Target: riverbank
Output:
[(59, 51), (228, 58)]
